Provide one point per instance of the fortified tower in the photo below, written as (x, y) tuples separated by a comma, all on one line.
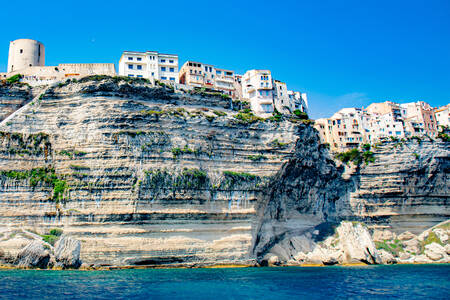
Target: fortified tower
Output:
[(25, 53)]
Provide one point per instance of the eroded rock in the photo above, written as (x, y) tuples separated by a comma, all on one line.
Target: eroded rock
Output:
[(34, 255), (67, 252)]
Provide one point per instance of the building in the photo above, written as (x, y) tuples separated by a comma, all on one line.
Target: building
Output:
[(150, 65), (419, 119), (384, 126), (281, 99), (27, 58), (442, 116), (298, 101), (258, 89), (237, 86), (345, 130), (24, 53), (202, 75)]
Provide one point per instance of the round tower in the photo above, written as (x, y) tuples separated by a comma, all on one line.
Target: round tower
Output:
[(25, 53)]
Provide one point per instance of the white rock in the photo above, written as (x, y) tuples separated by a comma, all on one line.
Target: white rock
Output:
[(382, 235), (386, 257), (67, 252), (406, 236), (356, 243), (441, 234), (422, 259), (435, 251)]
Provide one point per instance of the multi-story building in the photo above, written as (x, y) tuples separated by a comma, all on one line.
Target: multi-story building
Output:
[(298, 101), (442, 116), (149, 64), (202, 75), (345, 130), (258, 89), (281, 99), (384, 126), (237, 86), (419, 119)]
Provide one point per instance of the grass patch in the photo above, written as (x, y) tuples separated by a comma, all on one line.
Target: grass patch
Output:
[(257, 157)]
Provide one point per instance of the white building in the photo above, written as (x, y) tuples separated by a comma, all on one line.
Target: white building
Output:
[(258, 89), (298, 101), (149, 64), (384, 126), (24, 53), (281, 99), (442, 116)]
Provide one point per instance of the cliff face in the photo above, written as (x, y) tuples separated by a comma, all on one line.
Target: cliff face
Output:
[(140, 175), (406, 188), (12, 98), (145, 175)]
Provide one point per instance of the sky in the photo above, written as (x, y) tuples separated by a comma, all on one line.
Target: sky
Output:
[(343, 53)]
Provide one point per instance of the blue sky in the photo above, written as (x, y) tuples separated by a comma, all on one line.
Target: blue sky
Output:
[(342, 53)]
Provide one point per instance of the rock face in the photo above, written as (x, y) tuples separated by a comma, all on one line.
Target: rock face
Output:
[(146, 175), (12, 98), (67, 252), (34, 255)]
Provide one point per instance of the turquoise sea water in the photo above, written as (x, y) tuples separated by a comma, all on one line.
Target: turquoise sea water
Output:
[(404, 282)]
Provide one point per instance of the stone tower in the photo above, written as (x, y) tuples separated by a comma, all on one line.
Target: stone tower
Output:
[(25, 53)]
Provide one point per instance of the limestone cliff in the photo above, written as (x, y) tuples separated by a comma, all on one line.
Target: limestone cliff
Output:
[(146, 175)]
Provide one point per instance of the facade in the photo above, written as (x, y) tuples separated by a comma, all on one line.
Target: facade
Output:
[(345, 130), (202, 75), (298, 101), (281, 99), (237, 87), (24, 53), (419, 119), (258, 89), (150, 65), (442, 116)]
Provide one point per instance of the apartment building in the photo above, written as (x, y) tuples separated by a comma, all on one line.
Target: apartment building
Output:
[(258, 89), (281, 99), (345, 130), (202, 75), (442, 116), (150, 65), (298, 101), (419, 119)]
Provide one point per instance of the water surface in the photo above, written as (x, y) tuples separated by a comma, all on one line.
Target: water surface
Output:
[(371, 282)]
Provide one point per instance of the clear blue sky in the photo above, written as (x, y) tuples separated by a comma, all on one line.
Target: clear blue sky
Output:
[(342, 53)]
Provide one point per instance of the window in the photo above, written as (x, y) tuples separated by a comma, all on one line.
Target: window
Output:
[(218, 72), (130, 58), (130, 75), (171, 61), (21, 50), (139, 59), (172, 69), (139, 76), (163, 69), (153, 73), (163, 60), (130, 67), (164, 78), (206, 69), (139, 67), (172, 78)]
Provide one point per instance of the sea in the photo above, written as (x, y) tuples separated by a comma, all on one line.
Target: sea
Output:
[(368, 282)]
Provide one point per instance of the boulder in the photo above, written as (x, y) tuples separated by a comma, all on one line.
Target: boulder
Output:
[(382, 235), (447, 249), (441, 234), (422, 259), (435, 251), (271, 260), (404, 256), (412, 245), (34, 255), (67, 252), (405, 236), (356, 243), (386, 257)]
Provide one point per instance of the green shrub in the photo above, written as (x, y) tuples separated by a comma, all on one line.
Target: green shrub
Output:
[(14, 79), (256, 157), (56, 231), (219, 113), (301, 115), (247, 118), (51, 239), (277, 144), (366, 147), (356, 156), (444, 137)]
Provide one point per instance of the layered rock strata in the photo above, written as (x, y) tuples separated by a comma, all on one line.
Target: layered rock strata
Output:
[(145, 175)]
